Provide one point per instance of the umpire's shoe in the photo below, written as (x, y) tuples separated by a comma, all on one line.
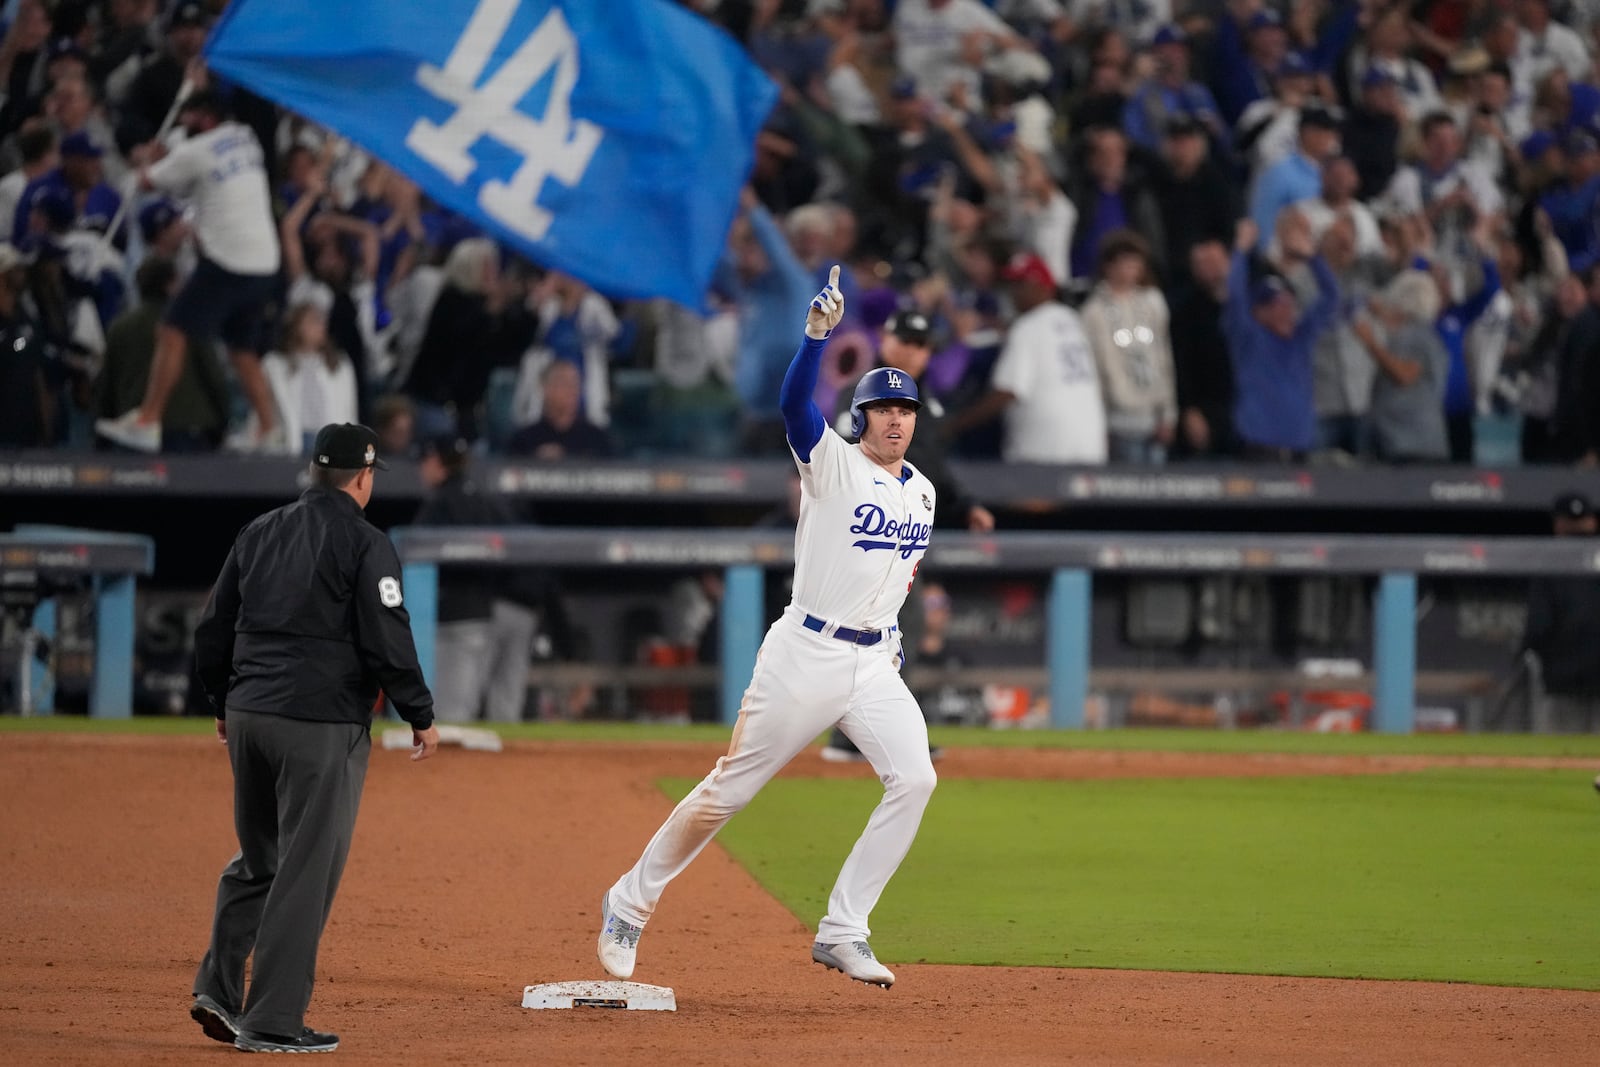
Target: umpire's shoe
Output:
[(309, 1041), (619, 941), (854, 959), (218, 1022)]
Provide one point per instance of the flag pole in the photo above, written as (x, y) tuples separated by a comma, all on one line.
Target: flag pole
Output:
[(128, 194)]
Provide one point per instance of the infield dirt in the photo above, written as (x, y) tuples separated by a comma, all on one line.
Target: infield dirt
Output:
[(473, 875)]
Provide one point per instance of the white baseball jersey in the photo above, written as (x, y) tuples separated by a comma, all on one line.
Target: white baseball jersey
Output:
[(221, 173), (860, 536)]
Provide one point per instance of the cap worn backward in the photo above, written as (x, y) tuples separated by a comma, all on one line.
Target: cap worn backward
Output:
[(346, 446)]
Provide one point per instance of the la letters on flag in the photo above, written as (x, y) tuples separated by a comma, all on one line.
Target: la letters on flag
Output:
[(605, 139)]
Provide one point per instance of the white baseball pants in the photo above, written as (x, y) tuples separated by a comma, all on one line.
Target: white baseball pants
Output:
[(805, 683)]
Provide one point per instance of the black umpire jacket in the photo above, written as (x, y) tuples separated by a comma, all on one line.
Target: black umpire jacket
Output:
[(307, 619)]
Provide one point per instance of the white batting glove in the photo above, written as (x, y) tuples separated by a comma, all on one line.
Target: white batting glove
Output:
[(827, 308)]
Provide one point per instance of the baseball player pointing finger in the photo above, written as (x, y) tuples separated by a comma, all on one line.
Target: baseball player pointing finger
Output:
[(831, 659)]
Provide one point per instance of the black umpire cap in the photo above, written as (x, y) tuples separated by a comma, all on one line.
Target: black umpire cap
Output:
[(910, 326), (346, 446)]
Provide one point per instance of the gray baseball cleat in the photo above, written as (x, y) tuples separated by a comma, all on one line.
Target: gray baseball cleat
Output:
[(619, 941), (854, 959)]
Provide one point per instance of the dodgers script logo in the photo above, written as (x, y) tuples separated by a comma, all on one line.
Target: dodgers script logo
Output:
[(551, 146), (905, 535)]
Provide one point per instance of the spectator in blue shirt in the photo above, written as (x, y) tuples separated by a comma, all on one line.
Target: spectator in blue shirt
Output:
[(1452, 326), (1246, 55), (1299, 177), (1572, 204), (1171, 92), (1272, 342), (771, 283), (79, 175)]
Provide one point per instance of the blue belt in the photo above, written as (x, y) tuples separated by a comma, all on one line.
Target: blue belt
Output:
[(844, 633)]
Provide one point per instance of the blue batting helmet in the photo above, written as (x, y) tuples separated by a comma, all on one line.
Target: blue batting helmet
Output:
[(882, 383)]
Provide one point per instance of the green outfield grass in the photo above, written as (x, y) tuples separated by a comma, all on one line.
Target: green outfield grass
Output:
[(1134, 740), (1483, 876)]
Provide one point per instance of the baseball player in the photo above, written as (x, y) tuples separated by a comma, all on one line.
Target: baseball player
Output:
[(833, 657)]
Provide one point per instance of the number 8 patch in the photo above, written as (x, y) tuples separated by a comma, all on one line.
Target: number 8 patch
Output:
[(389, 592)]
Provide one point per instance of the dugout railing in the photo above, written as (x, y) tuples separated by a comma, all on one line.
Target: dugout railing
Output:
[(1066, 564)]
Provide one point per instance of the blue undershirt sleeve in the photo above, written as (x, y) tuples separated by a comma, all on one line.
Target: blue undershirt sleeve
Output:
[(802, 422)]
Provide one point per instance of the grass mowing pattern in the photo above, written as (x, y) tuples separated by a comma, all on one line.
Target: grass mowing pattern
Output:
[(1483, 876), (1133, 740)]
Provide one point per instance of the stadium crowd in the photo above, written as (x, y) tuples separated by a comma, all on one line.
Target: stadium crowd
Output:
[(1140, 231)]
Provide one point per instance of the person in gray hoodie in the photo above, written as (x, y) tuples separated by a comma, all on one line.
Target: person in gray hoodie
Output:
[(1408, 393)]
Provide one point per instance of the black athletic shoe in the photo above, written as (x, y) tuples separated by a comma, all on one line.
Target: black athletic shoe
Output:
[(309, 1041), (218, 1022)]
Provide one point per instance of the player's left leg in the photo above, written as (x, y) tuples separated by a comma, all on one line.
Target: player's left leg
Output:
[(887, 726)]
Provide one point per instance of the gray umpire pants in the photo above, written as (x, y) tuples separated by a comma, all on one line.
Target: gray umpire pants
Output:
[(296, 789)]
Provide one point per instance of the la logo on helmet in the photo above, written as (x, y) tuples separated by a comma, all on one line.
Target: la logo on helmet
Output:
[(894, 380)]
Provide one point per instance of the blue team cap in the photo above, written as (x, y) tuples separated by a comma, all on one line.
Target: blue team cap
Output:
[(1171, 33), (1268, 289), (903, 88), (1294, 65), (156, 216), (1537, 144), (1375, 77), (56, 205), (79, 144), (1264, 18)]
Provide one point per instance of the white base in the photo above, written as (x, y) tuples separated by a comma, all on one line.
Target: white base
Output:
[(468, 737), (632, 996)]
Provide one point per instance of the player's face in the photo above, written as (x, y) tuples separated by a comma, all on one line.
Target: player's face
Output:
[(888, 433)]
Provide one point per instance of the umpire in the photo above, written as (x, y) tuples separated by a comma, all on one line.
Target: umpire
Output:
[(304, 628)]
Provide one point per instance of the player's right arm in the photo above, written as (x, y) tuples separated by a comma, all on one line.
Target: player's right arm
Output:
[(802, 422)]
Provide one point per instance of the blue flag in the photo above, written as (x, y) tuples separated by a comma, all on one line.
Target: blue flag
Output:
[(604, 138)]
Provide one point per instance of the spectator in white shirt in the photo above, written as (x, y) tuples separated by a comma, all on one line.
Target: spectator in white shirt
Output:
[(1044, 382), (941, 44), (37, 143), (1544, 44), (1268, 130), (219, 170), (1451, 191), (313, 383), (843, 82), (72, 108), (1339, 185), (1387, 48)]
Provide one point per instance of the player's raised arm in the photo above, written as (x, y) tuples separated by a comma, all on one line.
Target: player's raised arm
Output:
[(802, 422)]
